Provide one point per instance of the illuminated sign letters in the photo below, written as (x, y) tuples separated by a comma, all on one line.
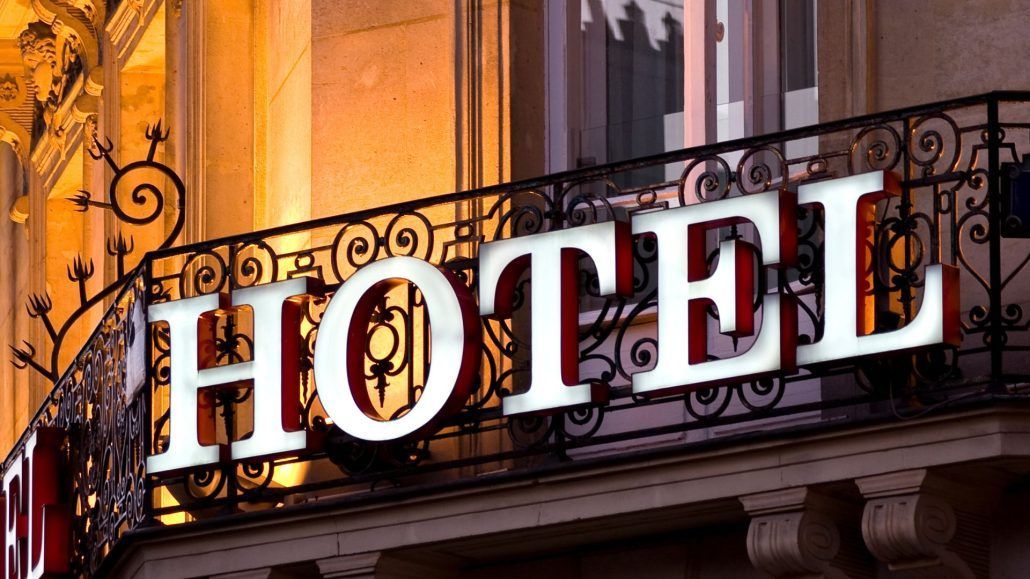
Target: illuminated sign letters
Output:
[(848, 205), (37, 525), (340, 348), (687, 289), (273, 370), (553, 259), (688, 285)]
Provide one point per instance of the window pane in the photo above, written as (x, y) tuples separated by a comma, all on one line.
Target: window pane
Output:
[(798, 44), (731, 34), (632, 79), (801, 96)]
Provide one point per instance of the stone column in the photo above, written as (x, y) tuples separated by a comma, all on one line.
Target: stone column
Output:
[(798, 533), (13, 288), (921, 526)]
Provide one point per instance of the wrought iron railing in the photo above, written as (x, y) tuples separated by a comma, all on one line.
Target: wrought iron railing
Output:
[(97, 403), (943, 155), (947, 156)]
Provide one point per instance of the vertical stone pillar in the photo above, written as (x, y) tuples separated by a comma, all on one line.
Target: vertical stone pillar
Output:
[(13, 277), (921, 526), (798, 533), (699, 74), (847, 58), (191, 120), (37, 284), (94, 223), (220, 118)]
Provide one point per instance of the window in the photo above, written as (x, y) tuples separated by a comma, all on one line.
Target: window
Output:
[(765, 69), (617, 74)]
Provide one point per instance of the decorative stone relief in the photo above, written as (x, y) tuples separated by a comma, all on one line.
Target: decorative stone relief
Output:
[(13, 133), (12, 91), (39, 53), (60, 53), (136, 6), (76, 22), (93, 10), (51, 64)]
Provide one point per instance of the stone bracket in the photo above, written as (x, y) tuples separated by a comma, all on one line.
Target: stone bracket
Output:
[(911, 524), (796, 533)]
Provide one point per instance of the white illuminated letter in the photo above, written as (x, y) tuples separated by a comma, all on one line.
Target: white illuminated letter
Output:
[(14, 500), (184, 449), (454, 341), (848, 205), (554, 297), (49, 522), (37, 525), (685, 291), (273, 371)]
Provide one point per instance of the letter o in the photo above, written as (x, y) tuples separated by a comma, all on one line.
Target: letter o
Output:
[(455, 342)]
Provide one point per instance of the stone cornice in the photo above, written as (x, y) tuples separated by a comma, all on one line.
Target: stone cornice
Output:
[(50, 152), (127, 24), (572, 502), (16, 135)]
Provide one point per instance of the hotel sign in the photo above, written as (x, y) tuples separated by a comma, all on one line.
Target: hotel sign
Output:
[(686, 289), (36, 520)]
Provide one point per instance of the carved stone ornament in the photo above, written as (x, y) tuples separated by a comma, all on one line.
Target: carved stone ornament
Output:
[(912, 532), (55, 57), (911, 524), (793, 544), (795, 533), (19, 209), (12, 91), (38, 45)]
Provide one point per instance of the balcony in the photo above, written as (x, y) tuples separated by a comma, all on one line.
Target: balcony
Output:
[(957, 163)]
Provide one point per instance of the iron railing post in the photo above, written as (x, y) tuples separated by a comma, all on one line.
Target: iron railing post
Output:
[(147, 395), (995, 332)]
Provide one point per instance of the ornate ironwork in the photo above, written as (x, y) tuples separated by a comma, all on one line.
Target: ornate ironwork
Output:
[(98, 402), (136, 198), (941, 153)]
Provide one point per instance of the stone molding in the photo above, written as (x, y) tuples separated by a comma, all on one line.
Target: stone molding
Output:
[(376, 565), (599, 502), (126, 26), (14, 134), (264, 573)]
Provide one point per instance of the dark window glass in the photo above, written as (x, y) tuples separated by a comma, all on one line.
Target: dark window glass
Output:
[(798, 18)]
